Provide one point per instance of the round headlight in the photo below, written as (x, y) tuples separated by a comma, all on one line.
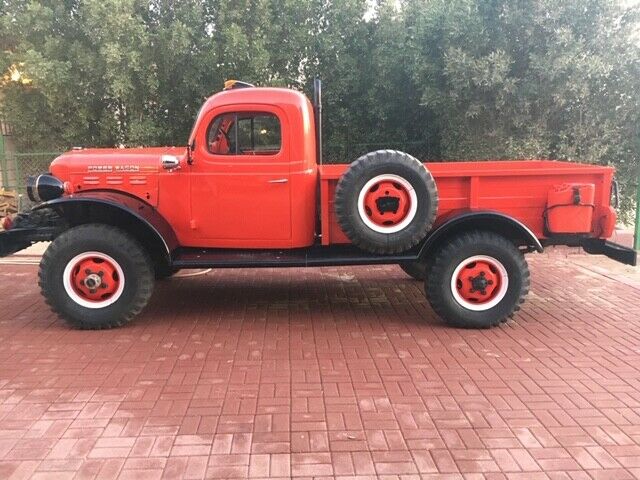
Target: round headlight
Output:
[(44, 188)]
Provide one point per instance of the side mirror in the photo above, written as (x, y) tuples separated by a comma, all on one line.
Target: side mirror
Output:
[(170, 162)]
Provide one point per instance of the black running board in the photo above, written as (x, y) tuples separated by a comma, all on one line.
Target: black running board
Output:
[(315, 256)]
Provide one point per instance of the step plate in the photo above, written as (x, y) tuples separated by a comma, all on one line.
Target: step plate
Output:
[(316, 256)]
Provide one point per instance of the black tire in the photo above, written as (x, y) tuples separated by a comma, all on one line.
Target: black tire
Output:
[(416, 270), (105, 240), (163, 272), (373, 165), (442, 266)]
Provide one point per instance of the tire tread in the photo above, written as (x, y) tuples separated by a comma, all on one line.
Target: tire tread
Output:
[(358, 169), (439, 262), (126, 244)]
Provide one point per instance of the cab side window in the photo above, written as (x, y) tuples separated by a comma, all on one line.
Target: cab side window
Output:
[(244, 133)]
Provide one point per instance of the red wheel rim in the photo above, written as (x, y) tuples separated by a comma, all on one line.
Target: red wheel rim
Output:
[(93, 280), (479, 282), (387, 203)]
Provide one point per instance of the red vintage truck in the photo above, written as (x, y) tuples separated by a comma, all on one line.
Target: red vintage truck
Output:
[(250, 190)]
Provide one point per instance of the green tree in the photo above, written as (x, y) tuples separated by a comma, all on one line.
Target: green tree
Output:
[(531, 79), (465, 79)]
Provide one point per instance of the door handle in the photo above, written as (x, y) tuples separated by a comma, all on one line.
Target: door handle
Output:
[(279, 180), (170, 162)]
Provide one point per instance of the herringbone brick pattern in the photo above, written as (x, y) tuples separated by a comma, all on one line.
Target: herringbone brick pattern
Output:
[(329, 373)]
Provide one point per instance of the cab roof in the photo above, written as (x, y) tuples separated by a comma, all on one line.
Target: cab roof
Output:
[(257, 95)]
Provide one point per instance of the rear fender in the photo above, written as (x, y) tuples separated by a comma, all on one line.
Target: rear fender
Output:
[(461, 221), (128, 213)]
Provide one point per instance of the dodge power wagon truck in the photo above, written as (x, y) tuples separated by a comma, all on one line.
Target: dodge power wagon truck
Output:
[(250, 190)]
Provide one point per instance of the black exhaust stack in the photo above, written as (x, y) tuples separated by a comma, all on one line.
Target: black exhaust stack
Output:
[(317, 107)]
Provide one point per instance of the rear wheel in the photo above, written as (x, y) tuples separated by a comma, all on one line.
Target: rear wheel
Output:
[(477, 280), (96, 276), (416, 270)]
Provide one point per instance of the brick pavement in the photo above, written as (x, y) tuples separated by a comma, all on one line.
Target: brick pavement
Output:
[(331, 373)]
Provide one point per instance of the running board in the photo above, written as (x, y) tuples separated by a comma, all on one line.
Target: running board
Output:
[(315, 256)]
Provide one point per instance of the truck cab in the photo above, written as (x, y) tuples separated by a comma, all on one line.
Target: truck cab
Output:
[(252, 172), (247, 180)]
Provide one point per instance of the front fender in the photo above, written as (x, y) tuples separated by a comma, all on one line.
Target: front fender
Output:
[(460, 221), (120, 210)]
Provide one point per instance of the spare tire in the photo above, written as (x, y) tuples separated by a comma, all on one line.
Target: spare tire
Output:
[(386, 202)]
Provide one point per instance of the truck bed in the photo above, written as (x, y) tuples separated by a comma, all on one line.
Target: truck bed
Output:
[(516, 188)]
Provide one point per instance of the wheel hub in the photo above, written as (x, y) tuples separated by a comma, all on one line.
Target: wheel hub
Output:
[(95, 279), (387, 203), (479, 282)]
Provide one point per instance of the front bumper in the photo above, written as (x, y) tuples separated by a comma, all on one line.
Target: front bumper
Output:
[(17, 239)]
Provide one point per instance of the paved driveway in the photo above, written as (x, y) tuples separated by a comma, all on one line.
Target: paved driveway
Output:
[(333, 372)]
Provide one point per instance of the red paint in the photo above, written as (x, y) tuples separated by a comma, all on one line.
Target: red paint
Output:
[(570, 208), (381, 191), (479, 269), (516, 188), (95, 266), (259, 200)]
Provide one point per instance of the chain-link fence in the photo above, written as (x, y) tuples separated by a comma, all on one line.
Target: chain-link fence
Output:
[(16, 167)]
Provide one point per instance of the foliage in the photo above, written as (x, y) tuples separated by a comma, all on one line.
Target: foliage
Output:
[(465, 78)]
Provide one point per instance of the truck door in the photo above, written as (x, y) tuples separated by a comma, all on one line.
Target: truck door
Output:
[(240, 192)]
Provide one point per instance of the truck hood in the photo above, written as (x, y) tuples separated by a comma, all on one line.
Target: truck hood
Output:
[(112, 160), (134, 171)]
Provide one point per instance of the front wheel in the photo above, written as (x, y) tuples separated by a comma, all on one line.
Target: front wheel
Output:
[(477, 280), (96, 276)]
